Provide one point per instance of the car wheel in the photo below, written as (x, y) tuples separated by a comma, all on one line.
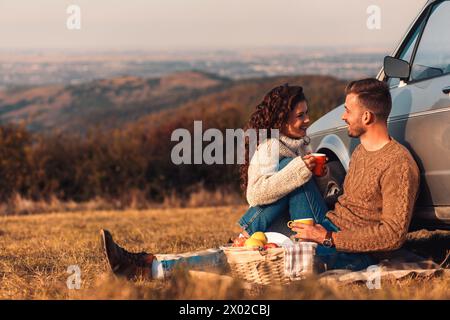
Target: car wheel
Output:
[(331, 185)]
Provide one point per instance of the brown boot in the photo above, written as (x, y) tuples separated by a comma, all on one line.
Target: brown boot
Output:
[(124, 263)]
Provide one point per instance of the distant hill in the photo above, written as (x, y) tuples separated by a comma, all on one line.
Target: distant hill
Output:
[(112, 103), (234, 105), (103, 103)]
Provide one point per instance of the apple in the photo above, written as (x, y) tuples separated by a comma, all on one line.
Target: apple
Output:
[(259, 236), (253, 243), (239, 242), (271, 245)]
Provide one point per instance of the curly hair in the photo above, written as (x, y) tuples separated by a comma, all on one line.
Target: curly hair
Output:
[(271, 113)]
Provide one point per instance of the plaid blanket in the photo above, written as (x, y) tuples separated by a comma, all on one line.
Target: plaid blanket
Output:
[(397, 265), (299, 260)]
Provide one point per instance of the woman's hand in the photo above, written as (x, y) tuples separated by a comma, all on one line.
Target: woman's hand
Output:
[(310, 162)]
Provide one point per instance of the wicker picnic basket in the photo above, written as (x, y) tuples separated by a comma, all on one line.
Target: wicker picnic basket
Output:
[(257, 266)]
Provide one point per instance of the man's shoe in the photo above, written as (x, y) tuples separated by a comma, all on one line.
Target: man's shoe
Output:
[(124, 263)]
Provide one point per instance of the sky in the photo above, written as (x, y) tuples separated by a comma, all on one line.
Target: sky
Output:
[(203, 24)]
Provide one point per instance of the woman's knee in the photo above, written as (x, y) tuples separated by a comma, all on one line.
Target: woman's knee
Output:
[(260, 218)]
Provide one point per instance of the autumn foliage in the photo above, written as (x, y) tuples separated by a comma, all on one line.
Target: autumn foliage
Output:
[(135, 159)]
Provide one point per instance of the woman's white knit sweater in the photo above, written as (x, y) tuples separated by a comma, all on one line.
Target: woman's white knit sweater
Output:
[(266, 183)]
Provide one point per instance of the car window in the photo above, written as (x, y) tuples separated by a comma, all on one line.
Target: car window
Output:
[(407, 51), (433, 53)]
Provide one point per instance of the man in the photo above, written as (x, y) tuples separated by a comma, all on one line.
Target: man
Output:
[(381, 185), (373, 214)]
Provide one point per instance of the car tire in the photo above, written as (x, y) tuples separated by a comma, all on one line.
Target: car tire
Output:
[(331, 185)]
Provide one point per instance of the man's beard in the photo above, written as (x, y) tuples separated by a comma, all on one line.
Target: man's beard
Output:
[(356, 132)]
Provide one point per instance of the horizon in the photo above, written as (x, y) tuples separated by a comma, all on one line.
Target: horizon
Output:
[(183, 53)]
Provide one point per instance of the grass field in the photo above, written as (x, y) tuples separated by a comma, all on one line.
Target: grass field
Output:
[(36, 250)]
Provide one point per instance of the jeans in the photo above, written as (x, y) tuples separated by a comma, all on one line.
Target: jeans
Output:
[(209, 259), (304, 202)]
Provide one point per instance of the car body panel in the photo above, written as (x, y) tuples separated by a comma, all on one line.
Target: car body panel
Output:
[(334, 143), (420, 120)]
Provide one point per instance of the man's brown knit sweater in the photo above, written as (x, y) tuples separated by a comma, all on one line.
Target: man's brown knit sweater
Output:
[(375, 210)]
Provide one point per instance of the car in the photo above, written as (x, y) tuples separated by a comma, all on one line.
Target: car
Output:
[(418, 74)]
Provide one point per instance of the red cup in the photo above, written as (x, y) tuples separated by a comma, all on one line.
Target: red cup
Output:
[(321, 160)]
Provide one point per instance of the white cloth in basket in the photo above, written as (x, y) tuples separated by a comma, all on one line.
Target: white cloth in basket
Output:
[(299, 260)]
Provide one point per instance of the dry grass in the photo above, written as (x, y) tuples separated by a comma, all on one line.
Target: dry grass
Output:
[(36, 250), (199, 196)]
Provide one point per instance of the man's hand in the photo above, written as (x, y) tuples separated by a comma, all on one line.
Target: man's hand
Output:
[(315, 233)]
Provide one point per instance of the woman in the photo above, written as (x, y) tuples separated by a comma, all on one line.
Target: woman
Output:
[(279, 187)]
